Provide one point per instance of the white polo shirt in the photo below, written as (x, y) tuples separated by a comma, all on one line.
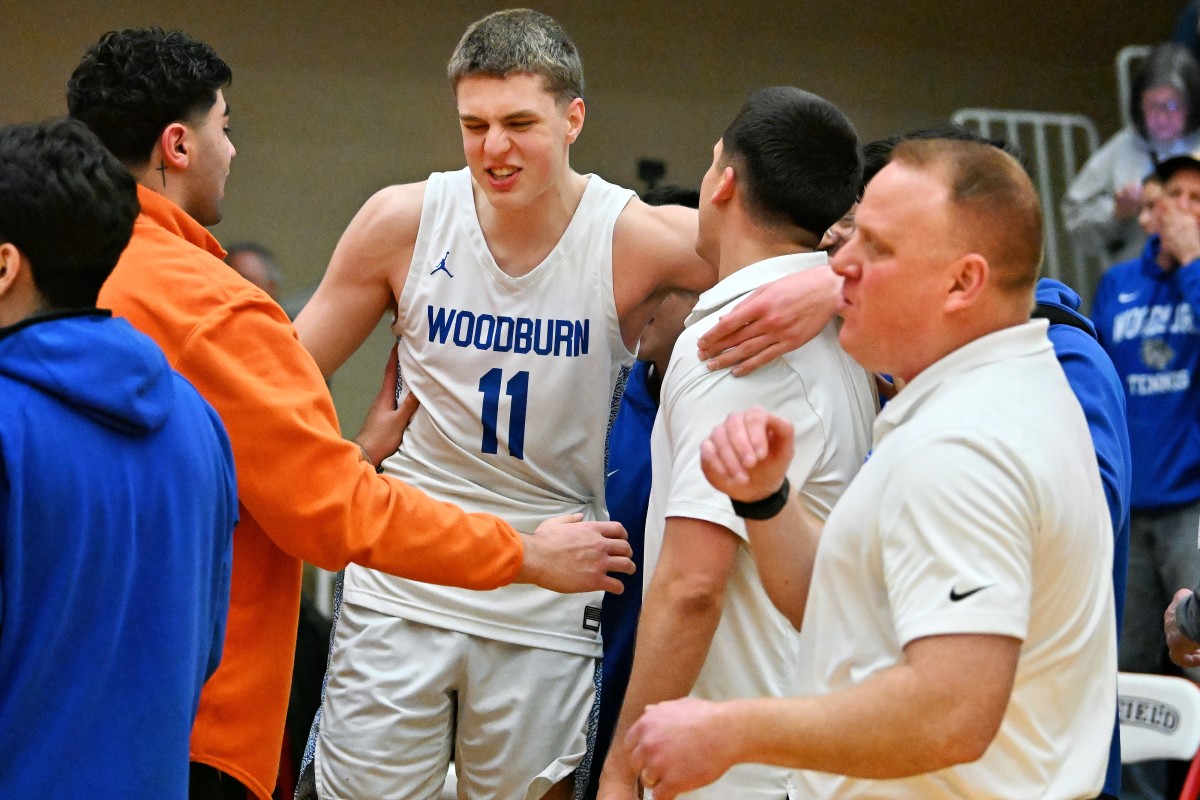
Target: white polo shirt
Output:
[(980, 511), (831, 401)]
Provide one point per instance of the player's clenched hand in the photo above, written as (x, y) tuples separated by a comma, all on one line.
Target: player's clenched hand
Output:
[(567, 555), (775, 319), (1184, 651), (680, 745), (747, 455)]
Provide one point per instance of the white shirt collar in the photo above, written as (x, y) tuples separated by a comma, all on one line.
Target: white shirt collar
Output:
[(1014, 342), (750, 277)]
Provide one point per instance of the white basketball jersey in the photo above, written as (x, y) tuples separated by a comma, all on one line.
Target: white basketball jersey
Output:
[(515, 377)]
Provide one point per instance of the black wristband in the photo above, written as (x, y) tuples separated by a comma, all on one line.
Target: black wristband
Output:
[(766, 508)]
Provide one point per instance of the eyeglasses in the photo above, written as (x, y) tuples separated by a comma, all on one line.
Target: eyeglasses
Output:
[(1166, 107)]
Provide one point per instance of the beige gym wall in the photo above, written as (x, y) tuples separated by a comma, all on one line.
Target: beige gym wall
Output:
[(332, 101)]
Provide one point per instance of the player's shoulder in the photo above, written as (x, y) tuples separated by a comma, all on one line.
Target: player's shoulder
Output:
[(640, 220), (649, 234), (390, 216)]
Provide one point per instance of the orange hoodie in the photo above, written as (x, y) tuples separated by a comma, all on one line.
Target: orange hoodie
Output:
[(304, 493)]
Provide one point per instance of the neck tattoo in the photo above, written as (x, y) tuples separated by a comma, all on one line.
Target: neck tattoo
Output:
[(162, 167)]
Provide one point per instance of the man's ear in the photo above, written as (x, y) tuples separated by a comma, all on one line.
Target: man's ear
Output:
[(12, 262), (726, 187), (969, 275), (575, 114), (175, 143)]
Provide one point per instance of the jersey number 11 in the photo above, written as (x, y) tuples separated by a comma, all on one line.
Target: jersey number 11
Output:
[(517, 388)]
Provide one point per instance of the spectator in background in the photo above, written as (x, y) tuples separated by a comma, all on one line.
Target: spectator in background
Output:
[(1101, 206), (257, 264), (1145, 311), (117, 497)]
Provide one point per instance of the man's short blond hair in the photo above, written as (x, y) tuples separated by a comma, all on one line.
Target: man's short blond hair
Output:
[(994, 206), (520, 40)]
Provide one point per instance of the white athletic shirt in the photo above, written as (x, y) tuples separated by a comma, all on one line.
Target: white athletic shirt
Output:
[(515, 377), (979, 511), (831, 402)]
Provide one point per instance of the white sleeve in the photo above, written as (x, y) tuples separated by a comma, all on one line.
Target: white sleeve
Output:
[(700, 401)]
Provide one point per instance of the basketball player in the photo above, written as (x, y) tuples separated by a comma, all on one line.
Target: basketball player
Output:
[(520, 287), (156, 100)]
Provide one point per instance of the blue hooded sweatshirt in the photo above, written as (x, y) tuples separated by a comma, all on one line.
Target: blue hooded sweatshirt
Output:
[(1146, 319), (117, 506), (1096, 384)]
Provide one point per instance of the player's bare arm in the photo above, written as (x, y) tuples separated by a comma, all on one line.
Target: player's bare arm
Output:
[(941, 706), (679, 618), (365, 276), (654, 251)]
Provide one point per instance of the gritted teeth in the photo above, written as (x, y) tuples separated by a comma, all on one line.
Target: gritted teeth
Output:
[(502, 172)]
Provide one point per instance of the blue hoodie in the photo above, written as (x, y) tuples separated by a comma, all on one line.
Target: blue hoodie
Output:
[(117, 506), (1146, 319), (1096, 384)]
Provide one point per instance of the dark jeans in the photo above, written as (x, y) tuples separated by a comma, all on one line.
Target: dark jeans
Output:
[(206, 783)]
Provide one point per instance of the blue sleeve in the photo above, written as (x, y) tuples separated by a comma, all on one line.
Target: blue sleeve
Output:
[(1189, 284), (1101, 315), (1097, 386)]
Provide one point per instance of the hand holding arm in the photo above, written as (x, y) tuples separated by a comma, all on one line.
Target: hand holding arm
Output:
[(775, 319), (567, 555)]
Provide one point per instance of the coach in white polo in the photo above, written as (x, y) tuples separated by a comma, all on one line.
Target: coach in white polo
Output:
[(960, 613), (785, 169)]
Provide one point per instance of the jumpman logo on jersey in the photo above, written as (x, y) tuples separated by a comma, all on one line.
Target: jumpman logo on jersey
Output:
[(441, 267)]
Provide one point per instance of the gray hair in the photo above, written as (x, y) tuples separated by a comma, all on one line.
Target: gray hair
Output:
[(520, 40)]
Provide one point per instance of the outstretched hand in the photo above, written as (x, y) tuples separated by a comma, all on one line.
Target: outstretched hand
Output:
[(1184, 651), (565, 554), (747, 455), (775, 319), (386, 420)]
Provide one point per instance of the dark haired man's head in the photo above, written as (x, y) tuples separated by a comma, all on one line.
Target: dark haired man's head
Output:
[(670, 194), (133, 83), (796, 158), (878, 153), (155, 99), (67, 208)]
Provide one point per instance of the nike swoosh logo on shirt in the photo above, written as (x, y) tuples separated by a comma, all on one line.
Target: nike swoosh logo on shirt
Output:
[(956, 596)]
